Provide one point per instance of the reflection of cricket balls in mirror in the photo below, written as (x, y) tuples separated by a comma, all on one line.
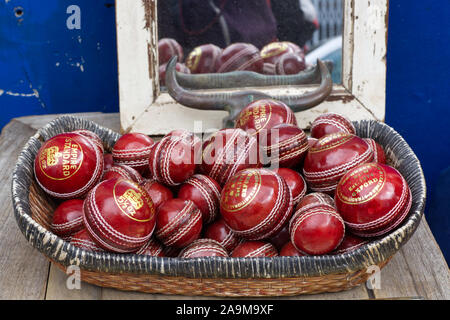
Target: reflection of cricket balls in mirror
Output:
[(83, 240), (228, 151), (180, 67), (331, 157), (290, 63), (167, 48), (289, 250), (133, 149), (317, 230), (124, 172), (256, 203), (68, 165), (274, 50), (178, 223), (295, 182), (119, 215), (378, 151), (264, 114), (331, 123), (220, 232), (286, 145), (203, 59), (203, 248), (172, 161), (373, 199), (205, 193), (253, 249), (158, 192), (68, 218), (239, 57)]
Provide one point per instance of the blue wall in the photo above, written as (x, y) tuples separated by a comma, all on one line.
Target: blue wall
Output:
[(47, 68)]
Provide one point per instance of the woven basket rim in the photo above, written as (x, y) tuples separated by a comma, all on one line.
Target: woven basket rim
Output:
[(55, 248)]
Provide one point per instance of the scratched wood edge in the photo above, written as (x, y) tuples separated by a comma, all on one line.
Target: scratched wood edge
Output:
[(24, 270), (66, 254), (144, 109)]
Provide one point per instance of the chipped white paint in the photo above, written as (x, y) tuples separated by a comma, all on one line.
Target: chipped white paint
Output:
[(35, 93)]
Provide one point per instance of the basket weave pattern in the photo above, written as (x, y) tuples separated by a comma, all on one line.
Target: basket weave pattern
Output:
[(232, 277)]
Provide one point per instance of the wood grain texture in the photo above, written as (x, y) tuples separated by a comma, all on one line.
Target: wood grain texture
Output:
[(23, 269)]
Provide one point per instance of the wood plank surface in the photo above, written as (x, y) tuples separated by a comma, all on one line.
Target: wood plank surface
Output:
[(418, 270), (24, 270)]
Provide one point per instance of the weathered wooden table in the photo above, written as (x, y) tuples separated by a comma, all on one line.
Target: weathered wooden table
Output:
[(417, 271)]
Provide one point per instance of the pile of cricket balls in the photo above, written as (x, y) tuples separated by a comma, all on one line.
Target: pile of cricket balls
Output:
[(276, 58), (261, 189)]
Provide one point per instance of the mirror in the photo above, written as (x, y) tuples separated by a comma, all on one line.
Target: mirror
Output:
[(270, 37)]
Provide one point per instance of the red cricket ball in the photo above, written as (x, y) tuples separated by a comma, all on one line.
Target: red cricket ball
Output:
[(253, 249), (203, 248), (290, 63), (158, 192), (331, 157), (269, 69), (172, 161), (203, 59), (108, 161), (373, 199), (83, 240), (318, 230), (68, 165), (312, 141), (289, 250), (133, 149), (220, 232), (378, 151), (256, 203), (205, 193), (119, 215), (240, 56), (286, 145), (178, 223), (281, 237), (350, 243), (167, 48), (124, 172), (93, 136), (272, 52), (313, 199), (152, 248), (264, 114), (228, 151), (331, 123), (192, 139), (68, 218), (180, 67), (295, 182)]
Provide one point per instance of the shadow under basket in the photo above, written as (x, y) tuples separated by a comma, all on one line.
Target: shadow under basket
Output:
[(213, 276)]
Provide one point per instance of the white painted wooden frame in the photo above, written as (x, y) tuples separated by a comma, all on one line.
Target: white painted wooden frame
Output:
[(143, 108)]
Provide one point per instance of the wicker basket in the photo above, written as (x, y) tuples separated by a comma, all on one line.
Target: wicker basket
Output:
[(233, 277)]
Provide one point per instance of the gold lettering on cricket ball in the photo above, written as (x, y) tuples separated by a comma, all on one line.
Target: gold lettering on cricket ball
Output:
[(131, 200), (62, 164), (241, 190), (331, 141), (362, 184), (260, 115)]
